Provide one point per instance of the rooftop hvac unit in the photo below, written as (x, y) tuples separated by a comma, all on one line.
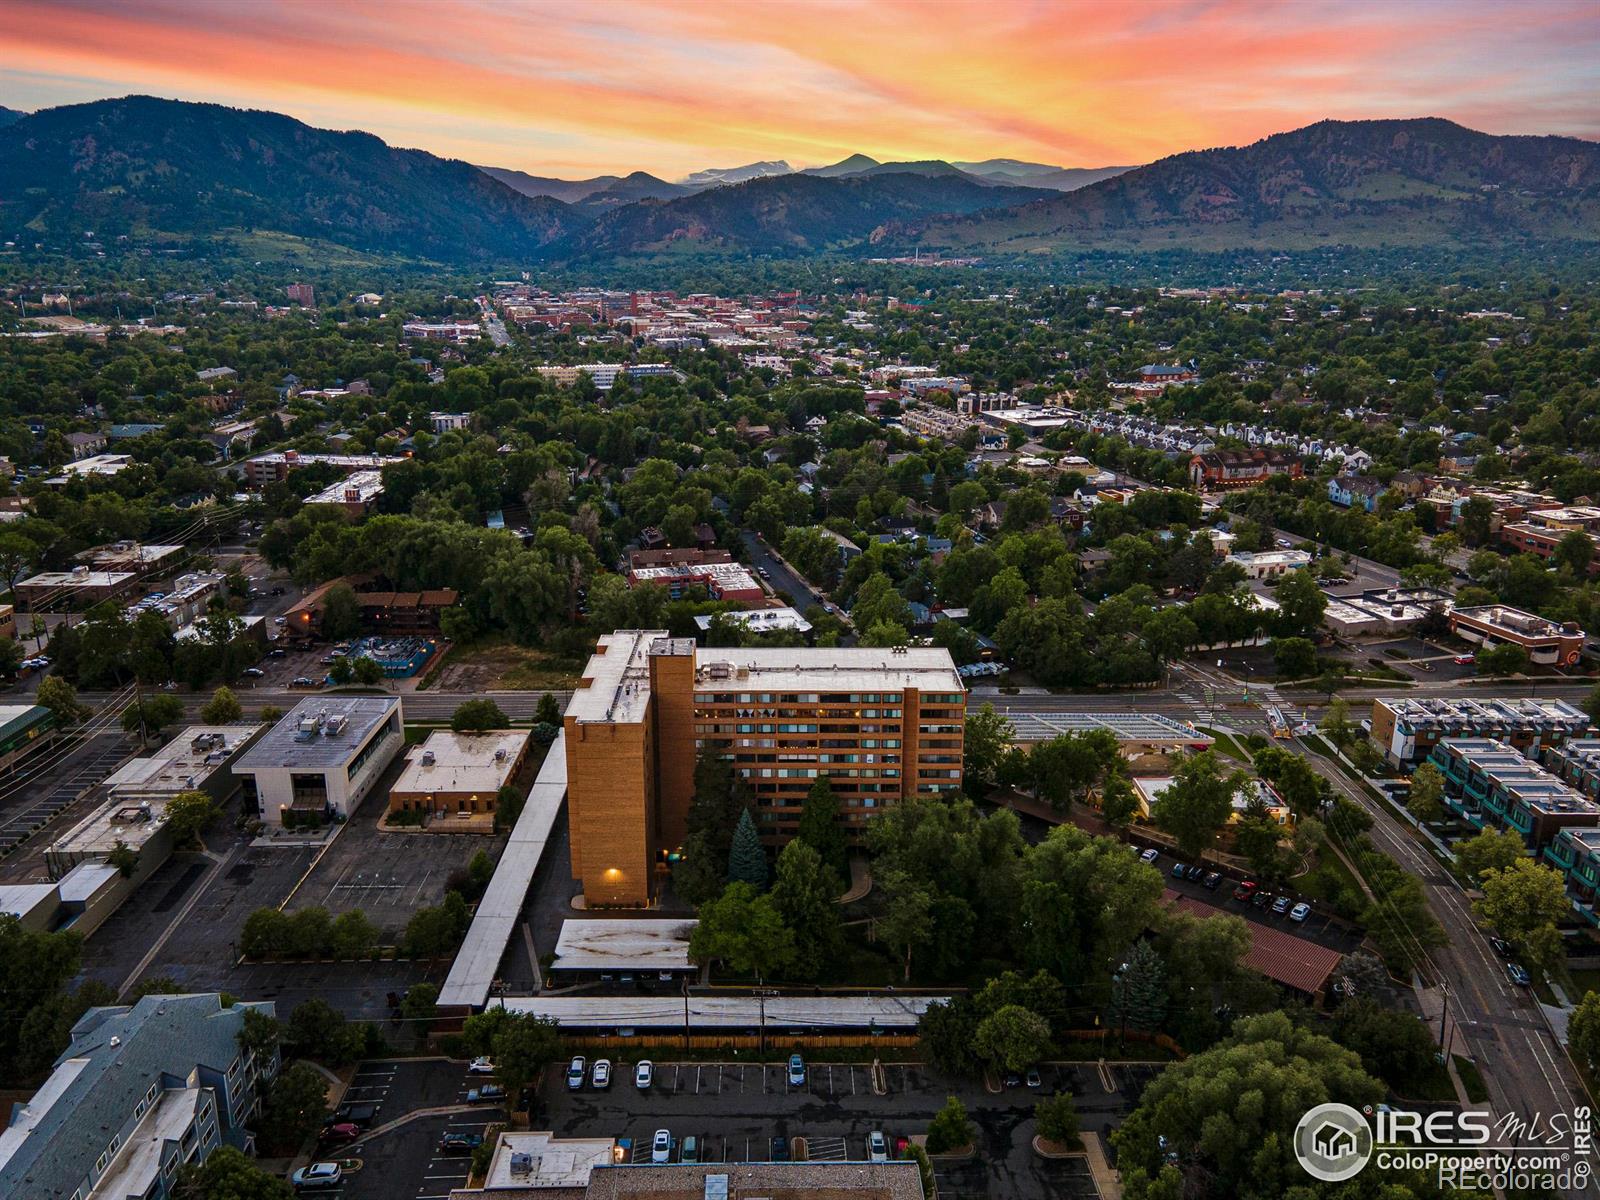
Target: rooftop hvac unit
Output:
[(309, 724), (500, 755), (427, 758), (336, 725), (521, 1164)]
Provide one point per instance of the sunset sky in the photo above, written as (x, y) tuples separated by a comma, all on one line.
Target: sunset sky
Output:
[(575, 89)]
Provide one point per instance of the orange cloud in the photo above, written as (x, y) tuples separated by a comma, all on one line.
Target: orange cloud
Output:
[(670, 85)]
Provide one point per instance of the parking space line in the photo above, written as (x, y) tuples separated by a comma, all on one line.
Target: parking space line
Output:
[(852, 1081)]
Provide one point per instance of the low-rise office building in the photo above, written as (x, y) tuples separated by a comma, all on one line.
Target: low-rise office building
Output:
[(1407, 728), (1547, 643), (320, 761), (1269, 564), (77, 589), (881, 724), (721, 580), (23, 729), (1492, 786), (140, 1090), (458, 772), (1382, 612)]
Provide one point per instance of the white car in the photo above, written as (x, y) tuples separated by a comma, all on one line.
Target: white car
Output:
[(317, 1177), (481, 1066), (661, 1147), (576, 1070), (644, 1075), (1300, 911), (877, 1146), (602, 1072)]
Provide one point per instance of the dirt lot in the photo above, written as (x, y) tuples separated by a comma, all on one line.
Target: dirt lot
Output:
[(503, 666)]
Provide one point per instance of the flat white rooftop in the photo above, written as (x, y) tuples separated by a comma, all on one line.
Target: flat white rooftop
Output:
[(455, 763), (623, 945), (336, 726), (763, 620), (542, 1160), (357, 488), (726, 1012), (183, 764), (1127, 727), (77, 579), (826, 669)]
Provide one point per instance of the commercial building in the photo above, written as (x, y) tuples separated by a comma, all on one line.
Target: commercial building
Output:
[(1256, 793), (355, 493), (1547, 643), (140, 1090), (881, 724), (458, 773), (1269, 564), (1490, 784), (78, 589), (1407, 729), (1382, 611), (95, 464), (762, 620), (1575, 852), (133, 556), (133, 813), (23, 729), (321, 760), (723, 580), (644, 952), (187, 599)]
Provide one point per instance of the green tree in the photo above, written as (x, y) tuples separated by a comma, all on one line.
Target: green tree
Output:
[(548, 711), (367, 672), (295, 1107), (35, 969), (228, 1174), (1575, 551), (188, 815), (946, 1031), (1524, 902), (1193, 1111), (1119, 800), (342, 671), (508, 805), (743, 929), (522, 1046), (747, 861), (820, 829), (804, 893), (1583, 1032), (420, 1003), (59, 696), (352, 935), (1139, 990), (989, 735), (1426, 801), (260, 1034), (1394, 1046), (265, 934), (1012, 1038), (476, 716), (222, 709), (436, 931), (1489, 850), (1301, 604), (1198, 802), (153, 714), (341, 613), (1056, 1119), (1336, 724), (1506, 659), (124, 858), (950, 1128), (1294, 657)]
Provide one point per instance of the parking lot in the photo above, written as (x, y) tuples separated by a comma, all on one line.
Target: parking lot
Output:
[(734, 1110), (1320, 927), (388, 875)]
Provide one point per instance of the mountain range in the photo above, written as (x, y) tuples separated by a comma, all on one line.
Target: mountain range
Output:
[(154, 168)]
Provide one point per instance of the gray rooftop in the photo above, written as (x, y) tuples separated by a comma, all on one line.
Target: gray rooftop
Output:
[(287, 745), (1128, 727), (781, 1012), (115, 1055)]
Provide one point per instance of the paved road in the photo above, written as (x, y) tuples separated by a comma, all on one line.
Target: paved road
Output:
[(1498, 1025), (783, 578)]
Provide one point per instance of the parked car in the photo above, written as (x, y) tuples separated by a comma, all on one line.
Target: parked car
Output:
[(577, 1071), (1281, 905), (302, 681), (339, 1134), (1300, 911), (318, 1177), (689, 1152), (1500, 946), (797, 1071), (1179, 871), (253, 673), (877, 1146), (780, 1148), (1032, 1078), (1012, 1079), (482, 1065), (1150, 856), (1213, 880), (1245, 890), (460, 1143), (278, 652), (1518, 976), (602, 1073), (1261, 899), (1197, 871), (489, 1093), (356, 1114), (644, 1075), (1464, 660), (661, 1147)]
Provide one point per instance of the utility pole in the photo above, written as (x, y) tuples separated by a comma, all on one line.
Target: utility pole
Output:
[(1444, 1013), (684, 984)]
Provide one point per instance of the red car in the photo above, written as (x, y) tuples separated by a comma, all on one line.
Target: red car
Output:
[(1464, 660), (338, 1135), (1245, 890)]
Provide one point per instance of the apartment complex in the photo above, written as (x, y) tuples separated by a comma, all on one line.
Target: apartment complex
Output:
[(1407, 729), (1546, 642), (1491, 785), (141, 1090), (882, 724), (1228, 469)]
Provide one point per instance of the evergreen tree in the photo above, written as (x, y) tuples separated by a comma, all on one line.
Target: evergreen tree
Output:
[(1139, 995), (804, 892), (747, 861), (820, 828)]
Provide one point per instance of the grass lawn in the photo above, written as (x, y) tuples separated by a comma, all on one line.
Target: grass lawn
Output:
[(504, 666), (1227, 744), (1332, 883), (1471, 1079)]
